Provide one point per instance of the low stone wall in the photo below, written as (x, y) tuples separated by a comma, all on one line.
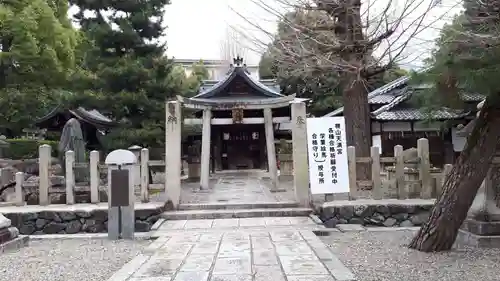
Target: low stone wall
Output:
[(65, 221), (388, 213)]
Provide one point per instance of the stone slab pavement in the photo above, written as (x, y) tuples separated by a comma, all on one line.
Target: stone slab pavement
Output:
[(241, 254)]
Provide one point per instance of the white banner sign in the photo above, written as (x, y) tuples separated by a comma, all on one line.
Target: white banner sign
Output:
[(327, 151)]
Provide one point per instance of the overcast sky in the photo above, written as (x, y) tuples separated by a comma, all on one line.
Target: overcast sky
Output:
[(197, 28)]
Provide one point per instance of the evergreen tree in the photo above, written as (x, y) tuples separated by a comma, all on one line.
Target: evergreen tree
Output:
[(37, 59), (130, 76), (468, 59), (198, 73)]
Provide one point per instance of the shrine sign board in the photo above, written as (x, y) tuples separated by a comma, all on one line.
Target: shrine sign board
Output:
[(327, 153)]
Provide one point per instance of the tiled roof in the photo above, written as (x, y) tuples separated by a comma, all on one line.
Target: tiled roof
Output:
[(472, 97), (397, 92), (375, 94), (413, 114), (391, 111), (213, 88)]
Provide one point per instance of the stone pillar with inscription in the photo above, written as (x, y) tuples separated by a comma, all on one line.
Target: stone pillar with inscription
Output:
[(300, 158), (205, 149), (173, 152), (271, 149)]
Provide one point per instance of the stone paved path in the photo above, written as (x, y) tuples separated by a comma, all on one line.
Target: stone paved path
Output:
[(237, 187), (273, 251)]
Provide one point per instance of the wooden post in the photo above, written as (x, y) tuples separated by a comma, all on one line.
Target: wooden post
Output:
[(399, 166), (351, 164), (44, 155), (424, 168), (94, 177), (70, 177), (439, 186), (19, 189), (145, 175), (376, 180)]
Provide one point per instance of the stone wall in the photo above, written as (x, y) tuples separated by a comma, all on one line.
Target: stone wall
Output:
[(376, 212), (70, 222)]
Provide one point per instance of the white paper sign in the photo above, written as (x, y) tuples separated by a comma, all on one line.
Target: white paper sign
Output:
[(327, 151)]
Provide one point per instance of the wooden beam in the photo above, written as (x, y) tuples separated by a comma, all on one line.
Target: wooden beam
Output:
[(229, 105), (229, 121)]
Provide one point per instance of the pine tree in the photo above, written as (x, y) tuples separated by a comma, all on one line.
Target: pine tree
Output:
[(129, 71), (468, 59)]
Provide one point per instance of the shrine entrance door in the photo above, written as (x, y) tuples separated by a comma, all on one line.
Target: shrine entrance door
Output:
[(243, 147)]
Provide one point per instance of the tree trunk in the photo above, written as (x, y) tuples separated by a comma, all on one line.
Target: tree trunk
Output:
[(358, 123), (461, 185)]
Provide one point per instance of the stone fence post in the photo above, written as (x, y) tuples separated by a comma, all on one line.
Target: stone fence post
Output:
[(376, 180), (70, 177), (424, 168), (44, 159), (144, 172), (94, 177), (351, 169), (19, 189), (137, 167), (399, 165)]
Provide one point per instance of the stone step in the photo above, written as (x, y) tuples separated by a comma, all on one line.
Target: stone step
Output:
[(238, 206), (235, 213)]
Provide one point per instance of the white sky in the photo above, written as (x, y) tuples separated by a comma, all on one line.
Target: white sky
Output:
[(197, 28)]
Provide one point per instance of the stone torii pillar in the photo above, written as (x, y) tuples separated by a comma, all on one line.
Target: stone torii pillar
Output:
[(300, 160), (205, 149), (271, 149), (173, 126)]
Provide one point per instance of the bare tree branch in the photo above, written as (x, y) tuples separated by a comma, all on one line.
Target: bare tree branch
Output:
[(344, 35)]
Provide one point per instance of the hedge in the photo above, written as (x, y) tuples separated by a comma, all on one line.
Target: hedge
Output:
[(27, 148)]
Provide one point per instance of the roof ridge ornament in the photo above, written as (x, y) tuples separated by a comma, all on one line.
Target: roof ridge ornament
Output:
[(238, 61)]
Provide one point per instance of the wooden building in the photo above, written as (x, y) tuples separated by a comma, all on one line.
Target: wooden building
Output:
[(397, 119), (93, 123), (241, 118)]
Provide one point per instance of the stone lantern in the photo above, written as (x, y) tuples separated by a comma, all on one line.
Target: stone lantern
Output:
[(482, 226)]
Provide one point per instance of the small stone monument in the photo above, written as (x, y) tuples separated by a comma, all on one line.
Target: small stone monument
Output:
[(121, 215), (72, 139)]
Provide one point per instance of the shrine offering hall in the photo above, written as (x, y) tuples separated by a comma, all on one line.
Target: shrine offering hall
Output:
[(240, 119)]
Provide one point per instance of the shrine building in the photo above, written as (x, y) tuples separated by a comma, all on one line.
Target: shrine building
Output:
[(241, 118)]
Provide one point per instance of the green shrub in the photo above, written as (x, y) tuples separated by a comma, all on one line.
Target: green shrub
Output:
[(27, 148)]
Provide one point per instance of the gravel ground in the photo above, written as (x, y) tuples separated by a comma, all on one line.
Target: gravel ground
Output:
[(382, 256), (68, 260)]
